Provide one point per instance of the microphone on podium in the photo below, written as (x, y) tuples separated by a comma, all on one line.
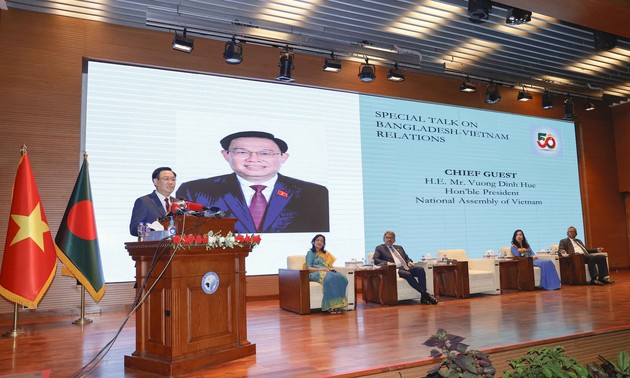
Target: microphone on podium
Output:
[(178, 207), (181, 207), (193, 206)]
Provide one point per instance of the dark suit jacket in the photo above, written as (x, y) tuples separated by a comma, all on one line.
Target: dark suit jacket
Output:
[(382, 255), (568, 246), (294, 206), (146, 209)]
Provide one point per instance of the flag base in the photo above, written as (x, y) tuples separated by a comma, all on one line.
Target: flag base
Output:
[(12, 334), (82, 321)]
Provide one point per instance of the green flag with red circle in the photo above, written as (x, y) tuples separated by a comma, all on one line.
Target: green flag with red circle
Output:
[(77, 239)]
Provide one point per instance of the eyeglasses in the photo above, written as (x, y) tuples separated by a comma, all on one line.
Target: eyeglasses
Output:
[(168, 179), (261, 154)]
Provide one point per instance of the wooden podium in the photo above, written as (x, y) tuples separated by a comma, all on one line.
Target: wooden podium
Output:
[(181, 327)]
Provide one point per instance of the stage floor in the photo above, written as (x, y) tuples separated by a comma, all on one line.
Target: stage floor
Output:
[(291, 345)]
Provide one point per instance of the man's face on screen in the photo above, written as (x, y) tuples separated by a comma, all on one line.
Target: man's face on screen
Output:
[(255, 159)]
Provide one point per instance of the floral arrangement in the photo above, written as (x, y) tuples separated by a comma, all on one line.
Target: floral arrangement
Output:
[(214, 240)]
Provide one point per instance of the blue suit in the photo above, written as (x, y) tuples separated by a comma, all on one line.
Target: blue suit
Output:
[(146, 209), (294, 206)]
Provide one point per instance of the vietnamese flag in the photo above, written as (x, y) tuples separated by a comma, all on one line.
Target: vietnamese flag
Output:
[(77, 240), (29, 262)]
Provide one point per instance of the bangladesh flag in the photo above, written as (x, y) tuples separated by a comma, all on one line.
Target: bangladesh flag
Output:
[(77, 239)]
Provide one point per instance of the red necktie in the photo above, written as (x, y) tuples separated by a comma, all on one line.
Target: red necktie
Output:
[(168, 205), (258, 206)]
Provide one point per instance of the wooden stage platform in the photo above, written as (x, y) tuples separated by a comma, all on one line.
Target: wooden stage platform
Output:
[(371, 341)]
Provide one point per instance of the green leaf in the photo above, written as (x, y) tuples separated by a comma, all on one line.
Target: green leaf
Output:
[(623, 362)]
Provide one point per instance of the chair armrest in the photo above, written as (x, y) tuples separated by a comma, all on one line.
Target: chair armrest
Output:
[(293, 276), (294, 291)]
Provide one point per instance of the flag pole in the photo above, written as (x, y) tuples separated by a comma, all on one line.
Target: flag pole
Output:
[(14, 332), (82, 320)]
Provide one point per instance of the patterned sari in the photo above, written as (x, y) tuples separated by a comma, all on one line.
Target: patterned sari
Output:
[(334, 283)]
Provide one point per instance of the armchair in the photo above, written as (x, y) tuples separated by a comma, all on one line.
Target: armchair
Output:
[(299, 295), (483, 274), (573, 268), (403, 291), (553, 257)]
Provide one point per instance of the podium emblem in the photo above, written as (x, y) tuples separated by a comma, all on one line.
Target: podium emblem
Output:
[(210, 282)]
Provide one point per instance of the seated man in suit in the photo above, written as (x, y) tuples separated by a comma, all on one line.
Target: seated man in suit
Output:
[(257, 195), (597, 264), (155, 205), (388, 253)]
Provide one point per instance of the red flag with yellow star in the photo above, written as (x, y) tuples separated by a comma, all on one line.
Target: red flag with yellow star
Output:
[(29, 262)]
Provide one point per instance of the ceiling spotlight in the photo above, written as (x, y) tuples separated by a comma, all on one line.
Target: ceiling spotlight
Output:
[(517, 16), (286, 65), (524, 95), (233, 51), (479, 10), (604, 41), (588, 105), (367, 72), (569, 114), (492, 94), (394, 74), (547, 100), (181, 43), (468, 86), (332, 64)]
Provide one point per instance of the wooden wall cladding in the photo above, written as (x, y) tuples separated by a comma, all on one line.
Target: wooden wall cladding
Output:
[(621, 124)]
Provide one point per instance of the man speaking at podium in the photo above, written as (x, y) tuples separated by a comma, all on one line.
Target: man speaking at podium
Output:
[(256, 194), (157, 204)]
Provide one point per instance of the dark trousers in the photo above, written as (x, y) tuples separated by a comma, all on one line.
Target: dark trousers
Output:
[(597, 266), (416, 277)]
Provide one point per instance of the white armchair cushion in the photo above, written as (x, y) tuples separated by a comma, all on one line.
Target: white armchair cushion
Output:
[(296, 262), (588, 275), (317, 294), (483, 274)]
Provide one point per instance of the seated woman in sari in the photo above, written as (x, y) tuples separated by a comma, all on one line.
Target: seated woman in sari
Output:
[(320, 265), (549, 279)]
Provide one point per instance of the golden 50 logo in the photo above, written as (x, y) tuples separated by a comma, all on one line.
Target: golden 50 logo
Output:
[(546, 141)]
